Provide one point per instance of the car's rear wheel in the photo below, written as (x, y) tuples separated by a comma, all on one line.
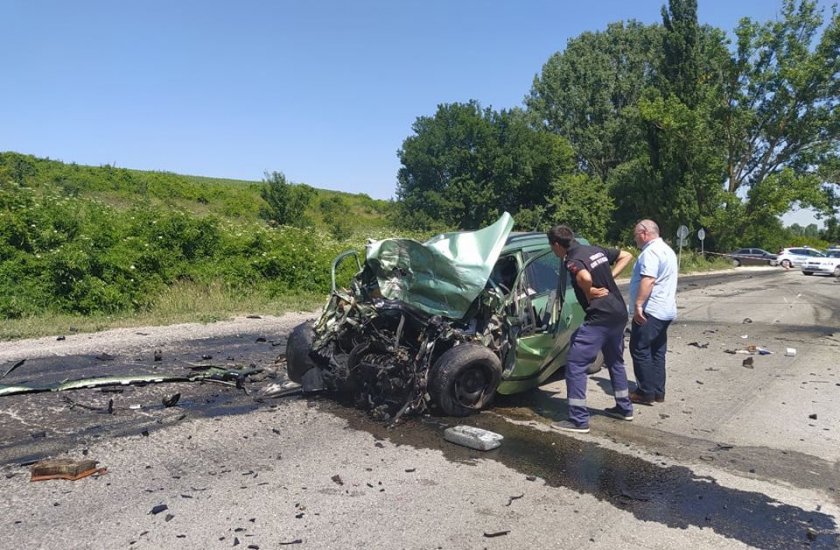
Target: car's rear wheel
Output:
[(596, 365), (786, 264), (299, 362), (464, 379), (807, 272)]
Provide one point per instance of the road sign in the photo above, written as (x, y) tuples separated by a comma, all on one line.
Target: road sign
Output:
[(682, 232), (701, 234)]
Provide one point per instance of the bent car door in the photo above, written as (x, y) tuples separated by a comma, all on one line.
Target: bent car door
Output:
[(540, 316)]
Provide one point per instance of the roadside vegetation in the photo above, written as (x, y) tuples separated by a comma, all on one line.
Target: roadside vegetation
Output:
[(679, 122)]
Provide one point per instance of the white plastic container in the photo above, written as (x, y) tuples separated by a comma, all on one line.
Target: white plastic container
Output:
[(472, 437)]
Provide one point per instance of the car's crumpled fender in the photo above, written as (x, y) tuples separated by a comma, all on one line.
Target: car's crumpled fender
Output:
[(442, 276)]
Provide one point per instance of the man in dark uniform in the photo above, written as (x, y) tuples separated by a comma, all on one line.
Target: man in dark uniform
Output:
[(602, 329)]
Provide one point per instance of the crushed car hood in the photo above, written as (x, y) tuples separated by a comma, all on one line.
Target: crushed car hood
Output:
[(442, 276)]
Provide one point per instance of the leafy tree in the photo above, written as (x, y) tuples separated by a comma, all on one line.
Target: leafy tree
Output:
[(582, 202), (782, 95), (589, 91), (466, 165), (286, 202), (677, 179), (681, 64)]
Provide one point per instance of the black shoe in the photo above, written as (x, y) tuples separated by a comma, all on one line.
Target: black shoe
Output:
[(640, 399), (569, 426), (618, 412), (659, 398)]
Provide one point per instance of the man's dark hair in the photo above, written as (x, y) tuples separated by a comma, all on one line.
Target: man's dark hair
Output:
[(561, 234)]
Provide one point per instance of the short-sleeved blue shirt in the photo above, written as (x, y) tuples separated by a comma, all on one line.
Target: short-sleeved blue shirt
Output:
[(657, 260)]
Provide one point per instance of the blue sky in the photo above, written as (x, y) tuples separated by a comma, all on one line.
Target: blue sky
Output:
[(323, 91)]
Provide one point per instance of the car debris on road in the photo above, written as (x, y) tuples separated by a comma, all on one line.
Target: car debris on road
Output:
[(64, 468)]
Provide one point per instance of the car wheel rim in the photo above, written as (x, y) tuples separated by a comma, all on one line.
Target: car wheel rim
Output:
[(471, 386)]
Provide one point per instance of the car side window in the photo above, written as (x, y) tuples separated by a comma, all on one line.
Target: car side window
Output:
[(542, 273)]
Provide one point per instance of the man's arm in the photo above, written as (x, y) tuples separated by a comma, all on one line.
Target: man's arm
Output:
[(645, 288), (584, 282), (621, 262)]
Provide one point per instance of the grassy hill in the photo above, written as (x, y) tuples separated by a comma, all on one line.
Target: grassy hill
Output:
[(112, 244), (237, 200)]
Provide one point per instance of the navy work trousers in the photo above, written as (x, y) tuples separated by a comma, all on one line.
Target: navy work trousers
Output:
[(587, 341), (648, 344)]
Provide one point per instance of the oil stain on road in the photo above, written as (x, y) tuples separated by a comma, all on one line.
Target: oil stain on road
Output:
[(670, 495)]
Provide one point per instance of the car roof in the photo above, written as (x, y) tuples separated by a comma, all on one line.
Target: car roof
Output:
[(525, 237), (519, 239)]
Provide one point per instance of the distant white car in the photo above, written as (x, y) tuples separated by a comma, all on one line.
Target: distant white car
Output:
[(828, 264), (794, 257)]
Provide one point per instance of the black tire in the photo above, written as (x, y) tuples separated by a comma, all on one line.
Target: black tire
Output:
[(736, 262), (837, 271), (786, 264), (464, 379), (596, 365), (807, 272), (298, 346)]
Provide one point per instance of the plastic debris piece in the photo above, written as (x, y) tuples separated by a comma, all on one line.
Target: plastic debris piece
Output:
[(13, 367), (763, 351), (64, 468), (790, 352), (748, 362), (158, 509), (472, 437), (496, 534), (171, 400)]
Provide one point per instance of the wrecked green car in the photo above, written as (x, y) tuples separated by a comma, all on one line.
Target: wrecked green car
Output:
[(443, 324)]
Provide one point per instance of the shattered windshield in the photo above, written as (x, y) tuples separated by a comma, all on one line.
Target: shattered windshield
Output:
[(442, 276)]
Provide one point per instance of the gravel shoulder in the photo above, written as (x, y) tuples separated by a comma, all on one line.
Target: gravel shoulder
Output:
[(134, 338)]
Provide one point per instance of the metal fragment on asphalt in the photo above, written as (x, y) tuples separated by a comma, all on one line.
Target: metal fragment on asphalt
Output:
[(472, 437), (64, 468)]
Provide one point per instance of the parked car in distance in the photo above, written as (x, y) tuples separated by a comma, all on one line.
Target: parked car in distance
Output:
[(795, 256), (753, 256), (826, 265)]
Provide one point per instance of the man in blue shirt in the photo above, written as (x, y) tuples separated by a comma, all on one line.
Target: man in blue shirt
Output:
[(653, 289), (593, 280)]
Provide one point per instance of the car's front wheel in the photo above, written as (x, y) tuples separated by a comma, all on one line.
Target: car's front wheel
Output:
[(807, 272), (736, 262), (300, 366), (837, 271), (464, 379), (786, 264)]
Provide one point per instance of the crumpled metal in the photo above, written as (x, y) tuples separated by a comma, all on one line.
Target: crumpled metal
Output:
[(442, 276)]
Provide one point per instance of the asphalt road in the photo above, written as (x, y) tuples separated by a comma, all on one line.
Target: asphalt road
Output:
[(737, 456)]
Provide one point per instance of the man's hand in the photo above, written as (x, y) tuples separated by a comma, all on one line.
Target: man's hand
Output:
[(639, 315), (645, 288), (597, 292)]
